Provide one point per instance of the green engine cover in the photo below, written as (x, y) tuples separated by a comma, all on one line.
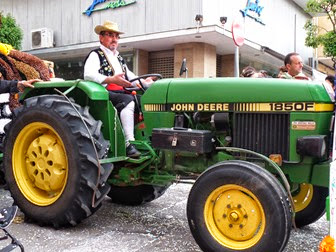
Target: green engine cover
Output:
[(170, 92)]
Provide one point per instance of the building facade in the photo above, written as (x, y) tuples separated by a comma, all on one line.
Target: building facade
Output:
[(159, 34)]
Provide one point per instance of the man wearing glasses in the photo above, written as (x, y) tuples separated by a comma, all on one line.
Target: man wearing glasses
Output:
[(105, 66)]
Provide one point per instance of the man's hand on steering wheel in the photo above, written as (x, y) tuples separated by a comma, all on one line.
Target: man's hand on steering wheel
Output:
[(118, 79), (146, 80)]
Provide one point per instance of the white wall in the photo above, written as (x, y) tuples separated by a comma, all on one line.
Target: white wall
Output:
[(70, 26), (279, 19)]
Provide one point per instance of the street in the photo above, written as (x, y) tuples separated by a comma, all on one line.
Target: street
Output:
[(156, 227)]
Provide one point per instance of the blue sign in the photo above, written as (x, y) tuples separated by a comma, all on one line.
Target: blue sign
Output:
[(253, 9), (111, 5)]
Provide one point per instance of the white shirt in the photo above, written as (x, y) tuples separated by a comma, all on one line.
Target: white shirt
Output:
[(92, 66)]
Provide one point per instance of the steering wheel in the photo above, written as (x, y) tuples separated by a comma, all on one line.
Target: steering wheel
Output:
[(144, 76)]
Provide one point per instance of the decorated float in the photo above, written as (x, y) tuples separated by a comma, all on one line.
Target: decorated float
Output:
[(17, 65)]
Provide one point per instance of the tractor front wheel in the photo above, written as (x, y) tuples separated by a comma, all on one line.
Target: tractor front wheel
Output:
[(239, 206)]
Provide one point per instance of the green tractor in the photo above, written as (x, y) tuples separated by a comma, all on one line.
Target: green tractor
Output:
[(258, 150)]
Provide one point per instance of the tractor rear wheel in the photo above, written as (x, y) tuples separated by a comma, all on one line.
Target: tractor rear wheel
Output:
[(309, 203), (51, 166), (237, 205), (135, 195)]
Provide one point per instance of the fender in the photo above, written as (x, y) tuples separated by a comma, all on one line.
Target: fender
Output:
[(93, 90)]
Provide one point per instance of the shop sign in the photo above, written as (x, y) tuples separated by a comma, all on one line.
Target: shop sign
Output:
[(110, 5), (253, 10)]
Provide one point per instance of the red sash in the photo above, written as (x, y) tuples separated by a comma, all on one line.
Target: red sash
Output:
[(114, 87)]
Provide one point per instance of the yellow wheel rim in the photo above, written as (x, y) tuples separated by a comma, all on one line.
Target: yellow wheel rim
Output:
[(234, 217), (303, 196), (40, 164)]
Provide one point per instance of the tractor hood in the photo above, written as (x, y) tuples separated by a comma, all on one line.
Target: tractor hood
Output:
[(245, 90), (166, 94)]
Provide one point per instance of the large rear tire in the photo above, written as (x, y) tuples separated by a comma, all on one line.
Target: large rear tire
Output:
[(50, 163), (135, 195), (309, 203), (239, 206)]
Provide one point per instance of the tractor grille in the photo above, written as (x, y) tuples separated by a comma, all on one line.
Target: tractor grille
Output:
[(263, 133)]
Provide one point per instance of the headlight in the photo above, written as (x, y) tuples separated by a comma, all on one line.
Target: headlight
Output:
[(314, 146)]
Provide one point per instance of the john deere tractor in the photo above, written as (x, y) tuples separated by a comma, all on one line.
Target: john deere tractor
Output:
[(258, 150)]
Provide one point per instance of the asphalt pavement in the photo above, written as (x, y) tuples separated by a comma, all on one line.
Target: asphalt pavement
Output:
[(158, 226)]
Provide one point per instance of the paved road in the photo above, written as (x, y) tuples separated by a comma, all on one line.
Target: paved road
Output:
[(156, 227)]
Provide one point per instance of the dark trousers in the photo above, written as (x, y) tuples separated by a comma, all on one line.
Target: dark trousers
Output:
[(120, 99)]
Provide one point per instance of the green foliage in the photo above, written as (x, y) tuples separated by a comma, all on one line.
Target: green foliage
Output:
[(312, 39), (329, 44), (321, 6), (10, 32), (317, 36)]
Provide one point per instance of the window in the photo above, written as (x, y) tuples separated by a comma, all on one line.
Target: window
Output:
[(162, 63)]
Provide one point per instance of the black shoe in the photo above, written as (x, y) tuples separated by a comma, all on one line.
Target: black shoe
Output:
[(7, 215), (132, 152)]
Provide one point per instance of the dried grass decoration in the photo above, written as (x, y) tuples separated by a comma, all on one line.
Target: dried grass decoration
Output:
[(25, 69), (33, 61), (10, 75), (17, 65), (17, 75), (3, 74)]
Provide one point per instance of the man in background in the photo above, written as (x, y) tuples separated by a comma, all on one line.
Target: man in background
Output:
[(294, 65)]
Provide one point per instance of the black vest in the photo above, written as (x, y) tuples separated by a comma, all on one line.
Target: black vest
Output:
[(105, 67)]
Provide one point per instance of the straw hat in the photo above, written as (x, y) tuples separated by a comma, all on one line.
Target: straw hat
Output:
[(107, 26)]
